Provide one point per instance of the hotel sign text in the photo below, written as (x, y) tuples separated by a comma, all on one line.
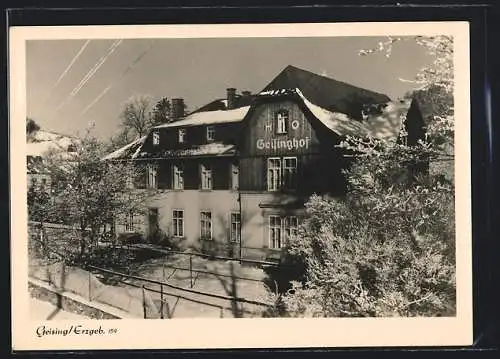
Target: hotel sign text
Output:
[(290, 144)]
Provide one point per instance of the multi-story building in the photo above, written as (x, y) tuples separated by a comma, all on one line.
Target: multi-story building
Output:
[(235, 174)]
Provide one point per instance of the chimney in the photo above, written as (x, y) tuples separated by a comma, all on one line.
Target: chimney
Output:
[(177, 109), (246, 93), (231, 98)]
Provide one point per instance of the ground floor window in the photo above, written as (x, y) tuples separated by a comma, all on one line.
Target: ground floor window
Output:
[(178, 223), (206, 225), (281, 229), (235, 230)]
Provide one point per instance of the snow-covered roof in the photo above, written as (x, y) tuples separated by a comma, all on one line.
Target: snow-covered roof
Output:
[(209, 149), (132, 147), (210, 117), (277, 92), (40, 142), (386, 125)]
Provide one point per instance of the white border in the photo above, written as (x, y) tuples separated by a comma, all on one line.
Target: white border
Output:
[(243, 333)]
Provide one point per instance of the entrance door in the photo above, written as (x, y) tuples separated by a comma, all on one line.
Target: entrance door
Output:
[(153, 224)]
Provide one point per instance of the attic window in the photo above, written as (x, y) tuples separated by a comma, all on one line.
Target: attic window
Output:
[(182, 135), (156, 138), (210, 133), (281, 120)]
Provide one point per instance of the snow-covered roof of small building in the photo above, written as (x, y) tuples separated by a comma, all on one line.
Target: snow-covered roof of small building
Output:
[(41, 142), (210, 118)]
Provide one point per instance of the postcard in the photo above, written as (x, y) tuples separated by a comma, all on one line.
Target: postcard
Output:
[(240, 186)]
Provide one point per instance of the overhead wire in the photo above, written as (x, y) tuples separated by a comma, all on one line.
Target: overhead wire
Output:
[(65, 72), (88, 76), (112, 84)]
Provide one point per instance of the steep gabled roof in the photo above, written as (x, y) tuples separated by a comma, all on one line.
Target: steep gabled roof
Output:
[(330, 94), (221, 104)]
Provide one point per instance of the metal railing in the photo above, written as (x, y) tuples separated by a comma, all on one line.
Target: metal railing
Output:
[(163, 293)]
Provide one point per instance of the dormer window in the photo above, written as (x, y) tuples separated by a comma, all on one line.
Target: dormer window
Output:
[(281, 121), (182, 135), (156, 138), (210, 133)]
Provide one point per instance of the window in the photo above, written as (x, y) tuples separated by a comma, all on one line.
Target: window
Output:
[(273, 173), (291, 227), (182, 135), (129, 224), (210, 133), (289, 172), (156, 138), (275, 232), (281, 173), (206, 177), (281, 119), (206, 225), (178, 174), (235, 230), (152, 176), (281, 229), (235, 173), (178, 222)]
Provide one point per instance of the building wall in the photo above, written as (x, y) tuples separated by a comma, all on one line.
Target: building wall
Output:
[(319, 162), (260, 130), (256, 208), (255, 211), (192, 202)]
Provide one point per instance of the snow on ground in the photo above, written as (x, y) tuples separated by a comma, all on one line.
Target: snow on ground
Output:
[(211, 283), (41, 310)]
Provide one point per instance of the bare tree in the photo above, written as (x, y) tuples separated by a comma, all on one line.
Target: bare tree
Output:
[(136, 114)]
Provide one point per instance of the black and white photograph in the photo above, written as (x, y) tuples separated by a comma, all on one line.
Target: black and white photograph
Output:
[(262, 177)]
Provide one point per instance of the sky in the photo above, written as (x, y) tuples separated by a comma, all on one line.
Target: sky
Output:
[(197, 70)]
